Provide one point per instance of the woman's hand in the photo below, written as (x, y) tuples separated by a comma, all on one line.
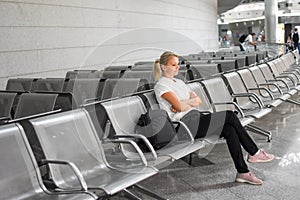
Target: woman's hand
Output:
[(173, 109)]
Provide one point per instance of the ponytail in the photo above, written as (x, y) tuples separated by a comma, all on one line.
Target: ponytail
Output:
[(163, 60), (156, 70)]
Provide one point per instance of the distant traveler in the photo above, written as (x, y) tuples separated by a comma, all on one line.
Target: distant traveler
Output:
[(245, 40), (180, 101), (296, 40)]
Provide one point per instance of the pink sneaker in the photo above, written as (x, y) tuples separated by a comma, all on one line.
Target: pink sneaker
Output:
[(262, 156), (248, 178)]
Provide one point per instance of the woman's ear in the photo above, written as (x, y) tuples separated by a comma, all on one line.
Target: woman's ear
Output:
[(163, 67)]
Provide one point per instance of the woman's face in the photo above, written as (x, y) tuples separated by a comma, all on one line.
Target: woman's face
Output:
[(172, 67)]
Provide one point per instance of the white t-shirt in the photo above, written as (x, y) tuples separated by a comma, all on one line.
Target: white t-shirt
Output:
[(178, 87), (248, 39)]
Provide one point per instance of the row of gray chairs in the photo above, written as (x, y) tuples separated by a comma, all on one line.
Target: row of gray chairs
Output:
[(15, 105), (82, 89), (242, 58), (95, 167)]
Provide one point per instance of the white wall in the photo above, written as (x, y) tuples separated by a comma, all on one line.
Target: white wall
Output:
[(42, 38)]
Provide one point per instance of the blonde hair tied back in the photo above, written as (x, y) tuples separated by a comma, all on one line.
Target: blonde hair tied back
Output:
[(156, 70), (162, 61)]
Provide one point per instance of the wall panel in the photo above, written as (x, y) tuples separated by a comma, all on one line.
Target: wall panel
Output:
[(41, 38)]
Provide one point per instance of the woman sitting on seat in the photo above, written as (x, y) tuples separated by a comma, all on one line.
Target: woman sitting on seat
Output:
[(179, 101)]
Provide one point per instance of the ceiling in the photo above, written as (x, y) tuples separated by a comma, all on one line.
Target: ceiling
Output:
[(225, 5)]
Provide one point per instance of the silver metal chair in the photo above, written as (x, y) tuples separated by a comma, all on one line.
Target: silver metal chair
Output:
[(71, 136), (124, 114), (222, 100), (6, 105), (48, 84), (238, 87), (122, 87), (20, 84), (19, 173), (83, 89), (35, 103)]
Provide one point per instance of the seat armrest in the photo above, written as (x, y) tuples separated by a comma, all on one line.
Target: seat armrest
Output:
[(135, 146), (287, 77), (282, 81), (253, 95), (272, 84), (143, 138), (185, 128), (264, 89), (75, 169), (237, 107)]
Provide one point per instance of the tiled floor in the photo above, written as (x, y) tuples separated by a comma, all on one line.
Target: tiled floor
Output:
[(213, 177)]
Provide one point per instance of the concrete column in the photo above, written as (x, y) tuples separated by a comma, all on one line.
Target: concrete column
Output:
[(271, 20)]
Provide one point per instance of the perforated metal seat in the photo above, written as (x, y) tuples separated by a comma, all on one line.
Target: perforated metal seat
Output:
[(262, 88), (48, 84), (35, 103), (84, 89), (19, 173), (206, 105), (204, 70), (222, 100), (238, 88), (71, 136), (124, 114), (121, 87), (6, 105), (20, 84)]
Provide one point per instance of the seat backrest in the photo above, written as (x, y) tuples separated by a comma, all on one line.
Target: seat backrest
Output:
[(117, 68), (150, 100), (247, 78), (124, 113), (237, 86), (84, 89), (143, 67), (65, 101), (111, 74), (266, 71), (218, 93), (48, 84), (120, 87), (226, 65), (18, 176), (83, 73), (185, 75), (70, 136), (273, 68), (205, 70), (251, 59), (19, 84), (6, 103), (287, 60), (259, 75), (205, 104), (35, 103), (99, 118), (241, 60), (260, 56), (148, 75)]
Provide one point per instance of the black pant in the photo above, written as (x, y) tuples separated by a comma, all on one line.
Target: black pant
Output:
[(223, 124)]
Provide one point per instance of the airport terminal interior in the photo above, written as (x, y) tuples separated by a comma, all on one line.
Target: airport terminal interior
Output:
[(79, 115)]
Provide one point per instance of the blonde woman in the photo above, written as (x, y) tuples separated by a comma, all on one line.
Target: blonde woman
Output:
[(179, 101)]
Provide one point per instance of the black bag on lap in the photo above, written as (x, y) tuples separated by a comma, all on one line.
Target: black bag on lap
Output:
[(157, 126)]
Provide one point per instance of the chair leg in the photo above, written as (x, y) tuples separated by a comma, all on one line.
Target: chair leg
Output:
[(293, 101), (130, 195), (258, 130), (147, 192)]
